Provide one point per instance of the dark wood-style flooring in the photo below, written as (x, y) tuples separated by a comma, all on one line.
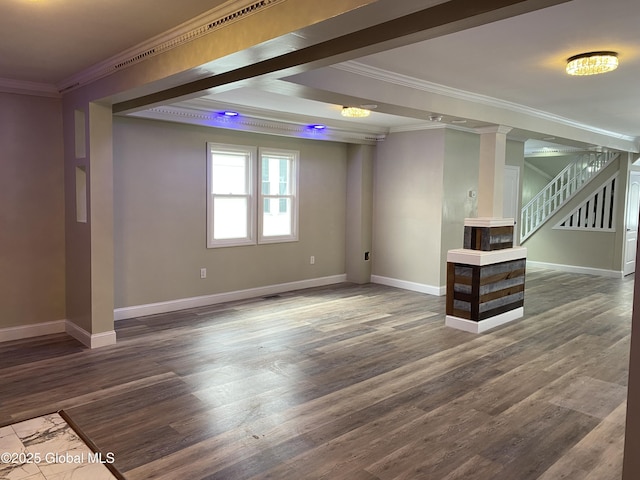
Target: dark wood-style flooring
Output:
[(354, 382)]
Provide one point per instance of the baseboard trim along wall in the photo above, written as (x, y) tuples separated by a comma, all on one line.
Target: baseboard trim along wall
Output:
[(576, 269), (35, 330), (204, 300), (58, 326), (96, 340), (406, 285)]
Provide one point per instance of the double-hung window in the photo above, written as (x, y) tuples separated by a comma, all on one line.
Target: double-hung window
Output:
[(278, 195), (240, 210), (231, 195)]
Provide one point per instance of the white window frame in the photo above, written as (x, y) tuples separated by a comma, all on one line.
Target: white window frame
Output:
[(294, 157), (250, 178)]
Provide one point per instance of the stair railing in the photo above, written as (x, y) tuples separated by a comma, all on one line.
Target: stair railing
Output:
[(559, 190)]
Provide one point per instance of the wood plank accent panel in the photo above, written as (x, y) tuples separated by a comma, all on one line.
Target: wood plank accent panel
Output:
[(488, 238), (480, 292), (347, 382)]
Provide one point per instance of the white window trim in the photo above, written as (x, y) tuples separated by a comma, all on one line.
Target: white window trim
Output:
[(250, 239), (293, 195)]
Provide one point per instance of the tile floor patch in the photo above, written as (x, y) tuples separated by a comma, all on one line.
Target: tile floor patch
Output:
[(47, 448)]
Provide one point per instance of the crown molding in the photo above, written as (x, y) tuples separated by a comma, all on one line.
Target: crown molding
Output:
[(434, 88), (418, 127), (552, 152), (22, 87), (431, 126), (259, 125), (223, 15)]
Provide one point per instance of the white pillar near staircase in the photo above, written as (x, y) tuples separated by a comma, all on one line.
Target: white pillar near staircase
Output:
[(485, 279), (493, 146)]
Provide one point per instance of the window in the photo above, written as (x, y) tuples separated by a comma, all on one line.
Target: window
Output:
[(230, 199), (233, 196), (278, 196)]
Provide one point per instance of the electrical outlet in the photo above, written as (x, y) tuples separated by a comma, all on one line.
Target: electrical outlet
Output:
[(203, 273), (312, 260)]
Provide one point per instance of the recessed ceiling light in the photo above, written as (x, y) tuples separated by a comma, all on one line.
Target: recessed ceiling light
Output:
[(229, 113), (592, 63)]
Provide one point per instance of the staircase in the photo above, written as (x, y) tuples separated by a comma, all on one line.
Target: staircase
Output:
[(562, 188)]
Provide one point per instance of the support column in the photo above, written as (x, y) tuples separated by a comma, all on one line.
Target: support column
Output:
[(485, 279), (359, 212), (493, 145), (101, 201), (89, 222)]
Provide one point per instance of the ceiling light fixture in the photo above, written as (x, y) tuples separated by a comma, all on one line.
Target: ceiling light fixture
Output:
[(592, 63), (355, 112)]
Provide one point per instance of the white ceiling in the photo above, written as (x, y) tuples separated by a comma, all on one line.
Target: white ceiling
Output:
[(515, 64), (522, 60), (48, 41)]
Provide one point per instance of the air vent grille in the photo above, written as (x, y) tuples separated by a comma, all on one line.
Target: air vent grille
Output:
[(149, 49), (240, 13), (135, 59), (197, 32)]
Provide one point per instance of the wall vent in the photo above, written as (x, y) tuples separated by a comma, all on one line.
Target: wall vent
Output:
[(135, 59), (181, 35), (197, 32), (239, 13)]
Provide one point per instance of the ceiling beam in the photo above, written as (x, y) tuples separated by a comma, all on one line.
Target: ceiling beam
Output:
[(431, 22)]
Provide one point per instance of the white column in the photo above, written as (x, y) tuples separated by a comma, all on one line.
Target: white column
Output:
[(493, 144)]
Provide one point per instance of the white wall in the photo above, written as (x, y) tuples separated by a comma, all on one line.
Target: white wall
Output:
[(160, 207), (32, 269), (408, 190)]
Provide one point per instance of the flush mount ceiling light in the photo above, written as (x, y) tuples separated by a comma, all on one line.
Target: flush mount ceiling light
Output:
[(355, 112), (592, 63)]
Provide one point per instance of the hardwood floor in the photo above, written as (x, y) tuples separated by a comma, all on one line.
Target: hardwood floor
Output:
[(347, 382)]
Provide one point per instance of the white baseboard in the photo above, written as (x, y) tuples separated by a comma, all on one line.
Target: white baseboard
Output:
[(96, 340), (406, 285), (35, 330), (576, 269), (204, 300), (484, 325), (58, 326)]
